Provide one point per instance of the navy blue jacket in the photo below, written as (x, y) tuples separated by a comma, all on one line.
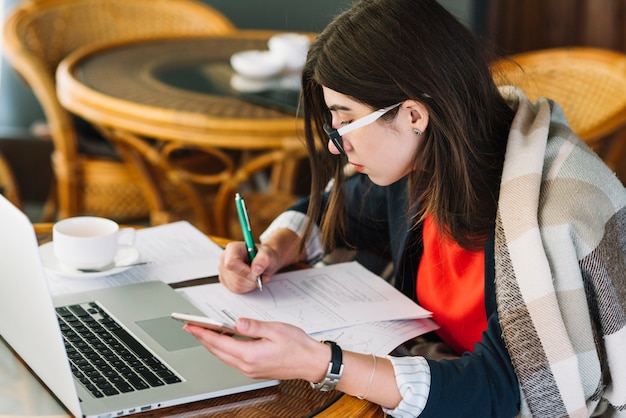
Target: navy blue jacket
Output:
[(479, 384)]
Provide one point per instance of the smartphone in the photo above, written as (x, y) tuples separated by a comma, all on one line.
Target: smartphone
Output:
[(205, 322)]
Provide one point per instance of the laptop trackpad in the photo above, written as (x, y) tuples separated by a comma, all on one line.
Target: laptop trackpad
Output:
[(169, 333)]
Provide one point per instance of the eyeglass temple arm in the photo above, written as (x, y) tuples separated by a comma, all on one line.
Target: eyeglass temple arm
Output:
[(366, 120)]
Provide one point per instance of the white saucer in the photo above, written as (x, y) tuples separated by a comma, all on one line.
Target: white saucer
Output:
[(125, 255)]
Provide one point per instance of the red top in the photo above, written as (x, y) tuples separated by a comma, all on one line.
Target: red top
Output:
[(451, 284)]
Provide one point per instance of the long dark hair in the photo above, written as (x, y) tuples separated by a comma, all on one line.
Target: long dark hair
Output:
[(381, 52)]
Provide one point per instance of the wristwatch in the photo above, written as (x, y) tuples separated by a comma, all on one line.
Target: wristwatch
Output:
[(335, 369)]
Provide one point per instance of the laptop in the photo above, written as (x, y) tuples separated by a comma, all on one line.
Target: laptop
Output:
[(160, 364)]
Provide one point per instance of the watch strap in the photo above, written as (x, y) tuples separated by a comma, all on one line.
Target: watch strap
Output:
[(335, 369)]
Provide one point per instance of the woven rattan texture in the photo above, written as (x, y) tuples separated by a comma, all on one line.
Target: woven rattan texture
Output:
[(76, 23), (111, 192), (132, 73), (589, 84), (38, 34)]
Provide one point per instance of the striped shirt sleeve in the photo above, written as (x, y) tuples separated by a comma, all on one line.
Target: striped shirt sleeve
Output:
[(295, 221), (413, 380)]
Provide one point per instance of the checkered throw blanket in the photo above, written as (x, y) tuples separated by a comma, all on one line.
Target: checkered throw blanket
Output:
[(561, 268)]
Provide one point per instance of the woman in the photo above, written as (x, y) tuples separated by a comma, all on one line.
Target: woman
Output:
[(497, 218)]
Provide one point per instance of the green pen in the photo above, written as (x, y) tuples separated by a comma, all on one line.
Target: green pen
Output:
[(244, 220)]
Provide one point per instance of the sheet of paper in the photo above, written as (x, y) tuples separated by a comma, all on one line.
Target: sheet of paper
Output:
[(379, 337), (176, 252), (315, 300)]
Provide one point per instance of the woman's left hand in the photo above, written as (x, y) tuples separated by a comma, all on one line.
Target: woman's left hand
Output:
[(275, 351)]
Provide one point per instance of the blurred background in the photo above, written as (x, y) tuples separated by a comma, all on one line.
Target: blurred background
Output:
[(19, 110), (22, 124), (507, 26)]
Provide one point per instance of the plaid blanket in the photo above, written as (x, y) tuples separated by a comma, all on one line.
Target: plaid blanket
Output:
[(561, 268)]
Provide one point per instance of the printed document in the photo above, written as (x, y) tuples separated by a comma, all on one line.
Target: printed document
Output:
[(316, 299), (378, 338)]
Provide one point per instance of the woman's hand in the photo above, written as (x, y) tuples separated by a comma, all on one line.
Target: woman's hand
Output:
[(281, 249), (276, 350), (237, 275)]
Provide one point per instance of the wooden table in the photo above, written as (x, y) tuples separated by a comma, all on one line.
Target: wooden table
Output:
[(22, 395), (154, 98)]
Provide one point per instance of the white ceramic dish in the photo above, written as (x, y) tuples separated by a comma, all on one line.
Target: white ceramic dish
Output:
[(255, 85), (291, 48), (257, 64), (252, 85), (125, 255)]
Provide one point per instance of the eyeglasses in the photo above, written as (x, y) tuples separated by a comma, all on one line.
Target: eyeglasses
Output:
[(335, 135)]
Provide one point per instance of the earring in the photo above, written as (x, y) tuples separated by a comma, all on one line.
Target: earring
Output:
[(417, 131)]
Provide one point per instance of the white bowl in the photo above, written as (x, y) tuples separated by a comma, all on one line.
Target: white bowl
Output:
[(291, 48), (257, 64)]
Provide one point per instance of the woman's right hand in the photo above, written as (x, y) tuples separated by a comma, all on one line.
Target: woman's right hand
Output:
[(237, 275), (281, 249)]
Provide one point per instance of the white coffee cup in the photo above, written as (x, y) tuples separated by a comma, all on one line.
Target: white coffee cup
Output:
[(89, 242)]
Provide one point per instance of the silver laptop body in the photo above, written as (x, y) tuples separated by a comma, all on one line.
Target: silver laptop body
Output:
[(30, 326)]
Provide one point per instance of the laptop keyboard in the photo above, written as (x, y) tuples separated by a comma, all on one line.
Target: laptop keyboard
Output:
[(104, 357)]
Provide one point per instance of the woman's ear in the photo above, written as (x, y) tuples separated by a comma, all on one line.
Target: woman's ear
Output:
[(418, 115)]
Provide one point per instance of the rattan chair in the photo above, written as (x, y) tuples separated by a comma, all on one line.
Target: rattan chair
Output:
[(8, 184), (588, 83), (264, 204), (180, 184), (38, 34)]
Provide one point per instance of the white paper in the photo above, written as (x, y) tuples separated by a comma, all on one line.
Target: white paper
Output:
[(176, 252), (317, 299), (378, 338)]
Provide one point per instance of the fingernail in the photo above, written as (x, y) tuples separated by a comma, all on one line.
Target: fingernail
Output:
[(257, 270), (242, 324)]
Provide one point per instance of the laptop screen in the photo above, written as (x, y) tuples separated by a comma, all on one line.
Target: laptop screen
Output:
[(32, 331)]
